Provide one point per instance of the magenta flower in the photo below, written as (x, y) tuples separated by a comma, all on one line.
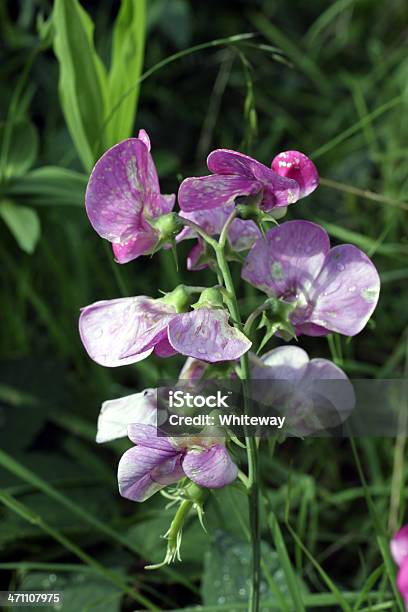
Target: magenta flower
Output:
[(332, 290), (293, 176), (127, 330), (123, 195), (241, 234), (157, 461), (399, 551)]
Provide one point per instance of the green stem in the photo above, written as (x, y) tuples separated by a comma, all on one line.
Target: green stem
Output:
[(251, 445)]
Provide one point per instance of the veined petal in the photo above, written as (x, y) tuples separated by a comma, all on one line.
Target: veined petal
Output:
[(119, 332), (146, 435), (123, 182), (137, 470), (117, 414), (310, 329), (278, 190), (288, 259), (226, 161), (163, 347), (243, 234), (297, 166), (212, 468), (346, 291), (319, 394), (399, 545), (206, 334), (141, 243), (208, 192), (210, 220)]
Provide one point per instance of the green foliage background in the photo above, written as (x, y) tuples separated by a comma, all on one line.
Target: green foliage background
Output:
[(327, 78)]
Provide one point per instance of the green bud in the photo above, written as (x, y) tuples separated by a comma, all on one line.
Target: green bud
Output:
[(168, 226), (210, 298), (178, 297)]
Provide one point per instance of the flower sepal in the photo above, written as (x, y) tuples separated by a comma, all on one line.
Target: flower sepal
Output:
[(276, 319), (210, 298), (250, 211), (166, 227), (190, 497), (178, 298)]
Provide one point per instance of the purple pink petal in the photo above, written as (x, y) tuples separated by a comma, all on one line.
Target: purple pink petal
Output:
[(332, 290), (123, 194)]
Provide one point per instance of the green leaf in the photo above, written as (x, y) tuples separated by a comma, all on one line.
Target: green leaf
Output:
[(126, 66), (50, 185), (23, 222), (19, 147), (83, 86), (226, 578), (292, 579)]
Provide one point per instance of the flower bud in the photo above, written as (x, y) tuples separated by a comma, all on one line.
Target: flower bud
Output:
[(210, 298), (178, 297), (167, 226)]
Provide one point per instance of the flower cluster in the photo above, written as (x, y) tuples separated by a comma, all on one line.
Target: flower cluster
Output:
[(310, 289)]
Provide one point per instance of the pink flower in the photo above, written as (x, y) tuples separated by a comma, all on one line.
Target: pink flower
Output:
[(127, 330), (293, 176), (158, 461), (315, 393), (331, 289), (123, 196), (399, 551)]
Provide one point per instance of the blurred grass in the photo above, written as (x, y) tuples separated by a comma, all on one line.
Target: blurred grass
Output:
[(329, 79)]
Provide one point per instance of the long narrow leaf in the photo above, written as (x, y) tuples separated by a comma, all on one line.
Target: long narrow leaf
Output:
[(291, 578), (126, 66), (82, 81)]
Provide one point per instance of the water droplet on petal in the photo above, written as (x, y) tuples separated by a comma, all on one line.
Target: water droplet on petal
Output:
[(370, 294), (340, 267)]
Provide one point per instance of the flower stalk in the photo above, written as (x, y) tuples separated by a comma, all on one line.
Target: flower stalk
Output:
[(250, 441)]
